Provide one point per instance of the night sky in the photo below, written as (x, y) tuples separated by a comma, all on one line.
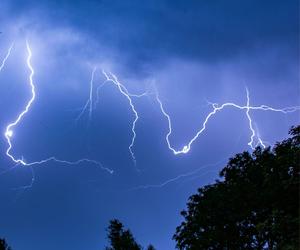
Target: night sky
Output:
[(193, 53)]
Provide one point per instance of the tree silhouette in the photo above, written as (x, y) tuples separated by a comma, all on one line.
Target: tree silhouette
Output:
[(121, 239), (255, 206), (3, 245), (150, 247)]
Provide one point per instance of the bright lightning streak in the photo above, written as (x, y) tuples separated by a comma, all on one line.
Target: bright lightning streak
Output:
[(253, 134), (10, 128), (54, 159), (6, 57), (216, 109), (123, 90), (191, 175), (109, 77)]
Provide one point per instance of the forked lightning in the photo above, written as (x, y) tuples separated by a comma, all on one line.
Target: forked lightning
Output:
[(9, 132)]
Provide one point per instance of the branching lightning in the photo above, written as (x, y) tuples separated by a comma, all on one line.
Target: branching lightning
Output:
[(216, 109), (10, 128), (30, 185), (178, 177), (254, 140), (112, 78), (89, 103), (6, 57), (254, 135), (109, 77)]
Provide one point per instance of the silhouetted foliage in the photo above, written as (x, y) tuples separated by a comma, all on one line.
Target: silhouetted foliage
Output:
[(150, 247), (255, 206), (121, 239), (3, 245)]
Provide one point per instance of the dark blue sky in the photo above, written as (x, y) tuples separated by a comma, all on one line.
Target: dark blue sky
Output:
[(193, 51)]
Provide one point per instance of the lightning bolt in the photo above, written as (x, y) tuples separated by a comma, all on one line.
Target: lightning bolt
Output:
[(6, 57), (89, 103), (30, 185), (10, 128), (178, 177), (217, 108), (111, 78), (253, 133), (123, 90)]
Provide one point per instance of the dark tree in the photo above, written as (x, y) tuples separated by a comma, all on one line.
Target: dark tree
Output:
[(150, 247), (254, 206), (120, 238), (3, 245)]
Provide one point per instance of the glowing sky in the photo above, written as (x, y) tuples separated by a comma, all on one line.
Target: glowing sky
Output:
[(157, 69)]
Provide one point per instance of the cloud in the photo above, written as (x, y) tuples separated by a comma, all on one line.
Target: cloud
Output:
[(143, 31)]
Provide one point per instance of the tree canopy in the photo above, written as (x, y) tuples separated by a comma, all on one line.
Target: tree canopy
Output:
[(254, 205), (122, 239), (3, 245)]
